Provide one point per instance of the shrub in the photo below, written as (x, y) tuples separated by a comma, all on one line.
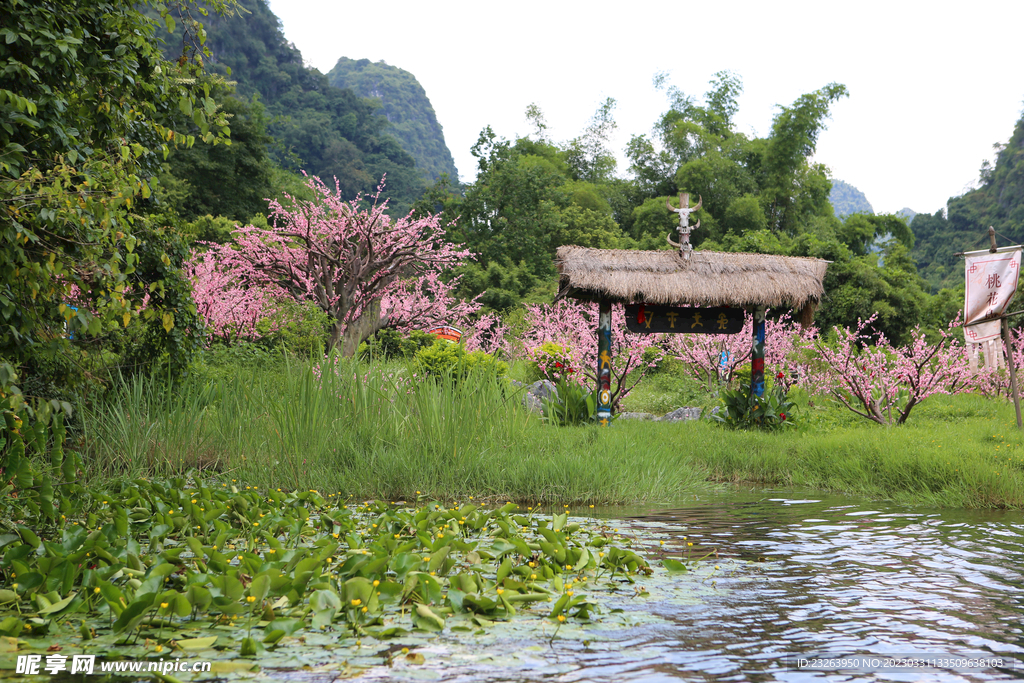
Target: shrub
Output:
[(573, 406), (300, 327), (390, 344), (553, 362), (743, 409), (443, 358), (481, 361)]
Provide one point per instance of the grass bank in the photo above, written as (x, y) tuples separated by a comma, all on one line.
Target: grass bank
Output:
[(374, 431)]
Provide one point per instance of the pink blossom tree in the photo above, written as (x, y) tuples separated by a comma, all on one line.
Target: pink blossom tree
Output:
[(488, 333), (573, 325), (991, 382), (883, 383), (231, 309), (365, 270), (702, 354)]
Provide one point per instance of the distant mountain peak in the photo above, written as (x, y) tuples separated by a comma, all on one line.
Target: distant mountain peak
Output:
[(405, 105), (847, 199)]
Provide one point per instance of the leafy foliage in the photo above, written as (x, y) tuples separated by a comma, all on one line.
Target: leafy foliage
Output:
[(997, 202), (553, 361), (572, 406), (444, 359), (743, 409), (192, 564), (390, 344), (227, 181), (325, 131), (88, 108)]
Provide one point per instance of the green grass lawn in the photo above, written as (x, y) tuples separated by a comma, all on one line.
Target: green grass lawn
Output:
[(372, 432)]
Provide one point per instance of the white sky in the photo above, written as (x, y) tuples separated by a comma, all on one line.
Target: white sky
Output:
[(932, 84)]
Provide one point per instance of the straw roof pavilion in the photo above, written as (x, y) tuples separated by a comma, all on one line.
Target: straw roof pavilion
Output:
[(706, 278)]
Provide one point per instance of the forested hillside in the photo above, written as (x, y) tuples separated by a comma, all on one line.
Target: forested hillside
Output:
[(320, 129), (761, 195), (847, 199), (999, 202), (406, 107)]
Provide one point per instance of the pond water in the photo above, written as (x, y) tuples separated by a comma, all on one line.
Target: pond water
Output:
[(800, 576)]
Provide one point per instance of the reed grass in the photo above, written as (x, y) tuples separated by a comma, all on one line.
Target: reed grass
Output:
[(376, 431)]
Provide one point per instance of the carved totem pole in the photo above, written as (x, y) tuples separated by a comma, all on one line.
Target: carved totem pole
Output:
[(684, 228)]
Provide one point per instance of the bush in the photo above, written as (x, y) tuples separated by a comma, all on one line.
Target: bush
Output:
[(552, 362), (481, 361), (663, 362), (301, 327), (444, 358), (575, 405), (743, 409), (389, 344)]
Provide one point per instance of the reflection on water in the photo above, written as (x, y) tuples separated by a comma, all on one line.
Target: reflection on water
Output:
[(801, 576), (841, 578)]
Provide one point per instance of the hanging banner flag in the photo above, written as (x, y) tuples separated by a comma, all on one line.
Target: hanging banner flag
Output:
[(991, 284)]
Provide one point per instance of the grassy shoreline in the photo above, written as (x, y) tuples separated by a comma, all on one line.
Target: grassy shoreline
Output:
[(371, 432)]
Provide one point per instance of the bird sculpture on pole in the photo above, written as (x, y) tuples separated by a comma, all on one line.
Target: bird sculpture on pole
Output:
[(684, 228)]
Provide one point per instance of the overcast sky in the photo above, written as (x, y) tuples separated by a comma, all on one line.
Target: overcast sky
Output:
[(932, 85)]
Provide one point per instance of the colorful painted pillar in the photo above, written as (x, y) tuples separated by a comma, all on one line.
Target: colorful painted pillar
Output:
[(757, 355), (604, 363)]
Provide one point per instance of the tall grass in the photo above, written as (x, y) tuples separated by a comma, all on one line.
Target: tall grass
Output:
[(372, 431), (377, 431)]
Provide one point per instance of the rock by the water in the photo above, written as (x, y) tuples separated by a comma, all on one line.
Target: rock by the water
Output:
[(682, 414)]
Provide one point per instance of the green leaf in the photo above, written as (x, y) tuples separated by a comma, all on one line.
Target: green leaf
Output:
[(426, 619), (58, 606), (194, 644), (259, 587), (131, 617)]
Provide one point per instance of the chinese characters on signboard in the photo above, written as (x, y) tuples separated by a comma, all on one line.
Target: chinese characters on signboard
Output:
[(990, 285), (652, 319)]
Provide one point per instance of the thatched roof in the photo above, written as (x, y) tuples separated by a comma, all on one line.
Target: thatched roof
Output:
[(707, 278)]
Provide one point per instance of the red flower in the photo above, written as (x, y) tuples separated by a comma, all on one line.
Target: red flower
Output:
[(781, 375), (783, 416), (557, 364)]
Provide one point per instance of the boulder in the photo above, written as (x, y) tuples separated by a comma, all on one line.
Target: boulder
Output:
[(538, 392), (636, 416), (681, 415)]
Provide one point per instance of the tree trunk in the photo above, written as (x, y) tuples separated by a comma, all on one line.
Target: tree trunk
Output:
[(360, 329)]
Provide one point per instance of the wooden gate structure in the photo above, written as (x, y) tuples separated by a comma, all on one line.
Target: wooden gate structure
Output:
[(685, 278)]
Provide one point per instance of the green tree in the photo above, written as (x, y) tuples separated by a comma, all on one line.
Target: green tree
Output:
[(320, 129), (785, 167), (88, 109), (587, 155), (233, 180)]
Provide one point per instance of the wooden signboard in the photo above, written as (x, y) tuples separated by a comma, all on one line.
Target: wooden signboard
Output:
[(652, 319)]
